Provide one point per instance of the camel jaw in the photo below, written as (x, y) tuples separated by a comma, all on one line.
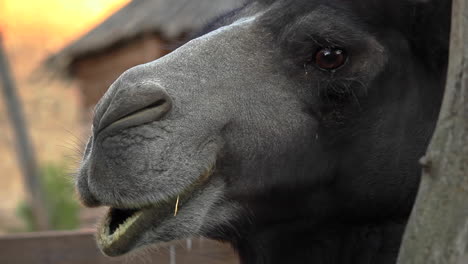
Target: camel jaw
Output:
[(122, 229)]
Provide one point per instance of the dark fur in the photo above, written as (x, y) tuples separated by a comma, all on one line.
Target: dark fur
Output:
[(335, 219)]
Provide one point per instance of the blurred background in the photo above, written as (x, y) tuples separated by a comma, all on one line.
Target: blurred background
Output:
[(63, 55), (33, 31)]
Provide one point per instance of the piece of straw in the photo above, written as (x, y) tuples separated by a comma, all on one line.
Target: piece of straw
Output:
[(176, 206)]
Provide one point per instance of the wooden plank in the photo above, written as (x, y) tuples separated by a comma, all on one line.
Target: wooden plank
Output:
[(78, 247)]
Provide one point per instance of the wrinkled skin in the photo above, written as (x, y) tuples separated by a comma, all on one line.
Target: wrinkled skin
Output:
[(260, 147)]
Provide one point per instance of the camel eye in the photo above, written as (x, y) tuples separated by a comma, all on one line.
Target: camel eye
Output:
[(330, 58)]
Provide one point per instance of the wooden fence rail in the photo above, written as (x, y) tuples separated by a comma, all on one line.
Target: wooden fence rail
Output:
[(78, 247)]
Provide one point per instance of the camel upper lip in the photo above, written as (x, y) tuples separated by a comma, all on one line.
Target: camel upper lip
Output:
[(120, 229)]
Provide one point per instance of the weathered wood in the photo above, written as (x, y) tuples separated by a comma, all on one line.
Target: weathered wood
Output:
[(24, 147), (438, 229), (79, 247)]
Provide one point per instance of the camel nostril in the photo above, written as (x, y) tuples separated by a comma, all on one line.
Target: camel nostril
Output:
[(138, 114), (158, 103)]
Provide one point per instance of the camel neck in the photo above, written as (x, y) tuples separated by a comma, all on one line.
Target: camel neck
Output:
[(341, 244)]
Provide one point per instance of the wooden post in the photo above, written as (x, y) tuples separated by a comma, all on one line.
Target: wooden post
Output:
[(24, 147), (437, 232)]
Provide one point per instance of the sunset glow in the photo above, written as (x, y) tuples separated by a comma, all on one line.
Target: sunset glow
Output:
[(65, 18)]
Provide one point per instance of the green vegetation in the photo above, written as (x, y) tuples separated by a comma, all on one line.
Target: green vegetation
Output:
[(59, 192)]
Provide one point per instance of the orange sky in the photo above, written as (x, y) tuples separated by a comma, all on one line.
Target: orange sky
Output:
[(56, 20)]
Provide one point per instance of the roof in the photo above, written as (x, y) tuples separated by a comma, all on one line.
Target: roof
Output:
[(169, 18)]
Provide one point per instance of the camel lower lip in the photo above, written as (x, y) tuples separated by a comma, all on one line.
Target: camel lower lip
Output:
[(116, 239), (121, 228), (108, 234)]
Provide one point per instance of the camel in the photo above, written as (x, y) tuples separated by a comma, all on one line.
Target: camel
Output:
[(289, 129)]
